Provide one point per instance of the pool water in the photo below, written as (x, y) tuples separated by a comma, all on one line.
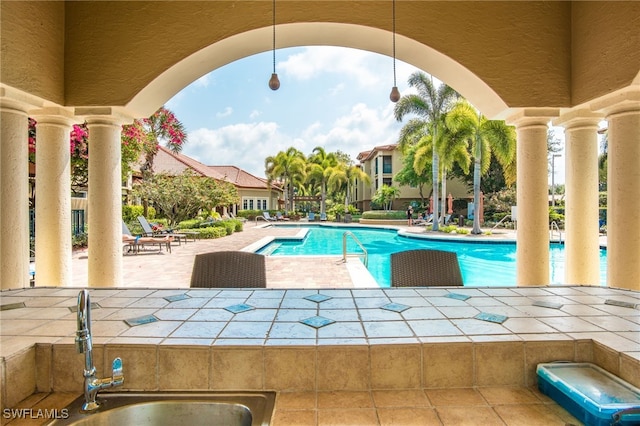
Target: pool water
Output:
[(482, 263)]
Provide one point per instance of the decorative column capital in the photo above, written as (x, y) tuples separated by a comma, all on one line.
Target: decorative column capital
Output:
[(55, 116), (104, 115), (581, 118), (622, 101), (527, 117)]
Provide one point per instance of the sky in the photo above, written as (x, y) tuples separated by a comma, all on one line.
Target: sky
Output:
[(333, 97)]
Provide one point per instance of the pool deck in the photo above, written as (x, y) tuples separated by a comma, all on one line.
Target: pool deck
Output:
[(173, 270)]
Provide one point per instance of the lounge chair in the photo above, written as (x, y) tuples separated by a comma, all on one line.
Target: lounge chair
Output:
[(323, 217), (312, 217), (421, 221), (268, 217), (229, 269), (420, 268), (135, 243), (150, 232), (233, 216), (279, 216)]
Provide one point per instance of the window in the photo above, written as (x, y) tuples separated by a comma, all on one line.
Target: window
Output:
[(249, 203), (387, 181), (386, 164)]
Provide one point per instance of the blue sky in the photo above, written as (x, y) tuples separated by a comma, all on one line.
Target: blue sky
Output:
[(333, 97)]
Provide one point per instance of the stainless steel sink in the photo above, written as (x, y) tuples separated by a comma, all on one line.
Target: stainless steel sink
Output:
[(173, 408)]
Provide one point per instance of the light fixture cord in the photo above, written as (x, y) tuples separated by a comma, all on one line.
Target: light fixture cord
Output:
[(394, 42), (274, 36)]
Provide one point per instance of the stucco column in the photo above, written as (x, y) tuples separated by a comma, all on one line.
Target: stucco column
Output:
[(582, 257), (105, 202), (14, 195), (532, 253), (53, 197), (623, 189)]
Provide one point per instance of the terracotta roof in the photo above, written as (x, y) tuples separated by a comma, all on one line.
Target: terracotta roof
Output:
[(239, 177), (168, 162), (366, 155)]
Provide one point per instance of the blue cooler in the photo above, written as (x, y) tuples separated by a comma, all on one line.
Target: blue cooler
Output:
[(591, 394)]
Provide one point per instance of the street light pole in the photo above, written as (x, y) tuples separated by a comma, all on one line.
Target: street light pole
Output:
[(553, 175)]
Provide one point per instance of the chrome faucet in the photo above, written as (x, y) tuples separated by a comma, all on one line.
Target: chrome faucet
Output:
[(92, 385)]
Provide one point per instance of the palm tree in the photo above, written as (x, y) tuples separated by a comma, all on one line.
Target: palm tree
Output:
[(486, 138), (289, 168), (321, 166), (343, 176), (430, 104)]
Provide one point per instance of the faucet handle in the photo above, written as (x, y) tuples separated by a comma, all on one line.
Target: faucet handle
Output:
[(117, 374)]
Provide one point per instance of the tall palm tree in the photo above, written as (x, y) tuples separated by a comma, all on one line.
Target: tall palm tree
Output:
[(486, 138), (430, 104), (321, 166), (289, 168), (344, 176)]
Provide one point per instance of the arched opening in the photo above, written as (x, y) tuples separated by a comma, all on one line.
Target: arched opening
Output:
[(175, 78)]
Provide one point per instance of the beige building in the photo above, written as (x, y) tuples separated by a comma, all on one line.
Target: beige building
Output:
[(254, 192), (381, 164), (573, 63)]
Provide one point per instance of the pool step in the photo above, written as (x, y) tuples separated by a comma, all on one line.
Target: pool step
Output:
[(272, 247)]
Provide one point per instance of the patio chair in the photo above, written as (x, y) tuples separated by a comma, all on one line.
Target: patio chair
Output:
[(135, 242), (279, 216), (420, 268), (323, 217), (312, 217), (148, 231), (268, 217), (229, 269)]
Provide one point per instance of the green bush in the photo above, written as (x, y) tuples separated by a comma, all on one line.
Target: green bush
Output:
[(211, 232), (448, 229), (79, 240), (130, 213), (380, 214), (238, 225), (189, 224)]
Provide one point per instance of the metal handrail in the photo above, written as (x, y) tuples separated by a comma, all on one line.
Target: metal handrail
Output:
[(344, 248), (555, 225), (501, 220)]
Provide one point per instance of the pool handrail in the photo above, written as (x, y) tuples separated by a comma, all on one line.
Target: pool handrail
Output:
[(344, 248)]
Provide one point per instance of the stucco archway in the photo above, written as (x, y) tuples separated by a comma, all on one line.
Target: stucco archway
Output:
[(239, 46)]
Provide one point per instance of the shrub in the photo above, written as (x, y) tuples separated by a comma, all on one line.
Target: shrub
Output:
[(79, 240), (380, 214), (189, 224), (211, 232), (449, 229), (238, 225), (130, 213)]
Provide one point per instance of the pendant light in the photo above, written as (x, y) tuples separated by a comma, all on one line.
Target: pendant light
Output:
[(274, 83), (395, 93)]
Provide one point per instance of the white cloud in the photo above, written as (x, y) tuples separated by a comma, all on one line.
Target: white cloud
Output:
[(245, 145), (255, 114), (227, 112), (316, 60), (203, 81)]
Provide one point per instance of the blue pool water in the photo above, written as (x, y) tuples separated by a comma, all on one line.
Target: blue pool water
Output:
[(482, 263)]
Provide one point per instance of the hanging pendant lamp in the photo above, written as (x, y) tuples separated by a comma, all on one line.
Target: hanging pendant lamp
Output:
[(395, 93), (274, 83)]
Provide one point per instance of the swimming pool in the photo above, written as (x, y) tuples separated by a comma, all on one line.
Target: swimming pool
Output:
[(482, 263)]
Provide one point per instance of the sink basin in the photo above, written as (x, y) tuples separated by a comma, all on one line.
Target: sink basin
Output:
[(174, 408)]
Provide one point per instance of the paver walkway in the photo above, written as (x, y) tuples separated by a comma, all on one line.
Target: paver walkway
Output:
[(173, 270)]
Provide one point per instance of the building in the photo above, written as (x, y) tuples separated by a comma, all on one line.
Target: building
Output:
[(381, 164), (254, 192)]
